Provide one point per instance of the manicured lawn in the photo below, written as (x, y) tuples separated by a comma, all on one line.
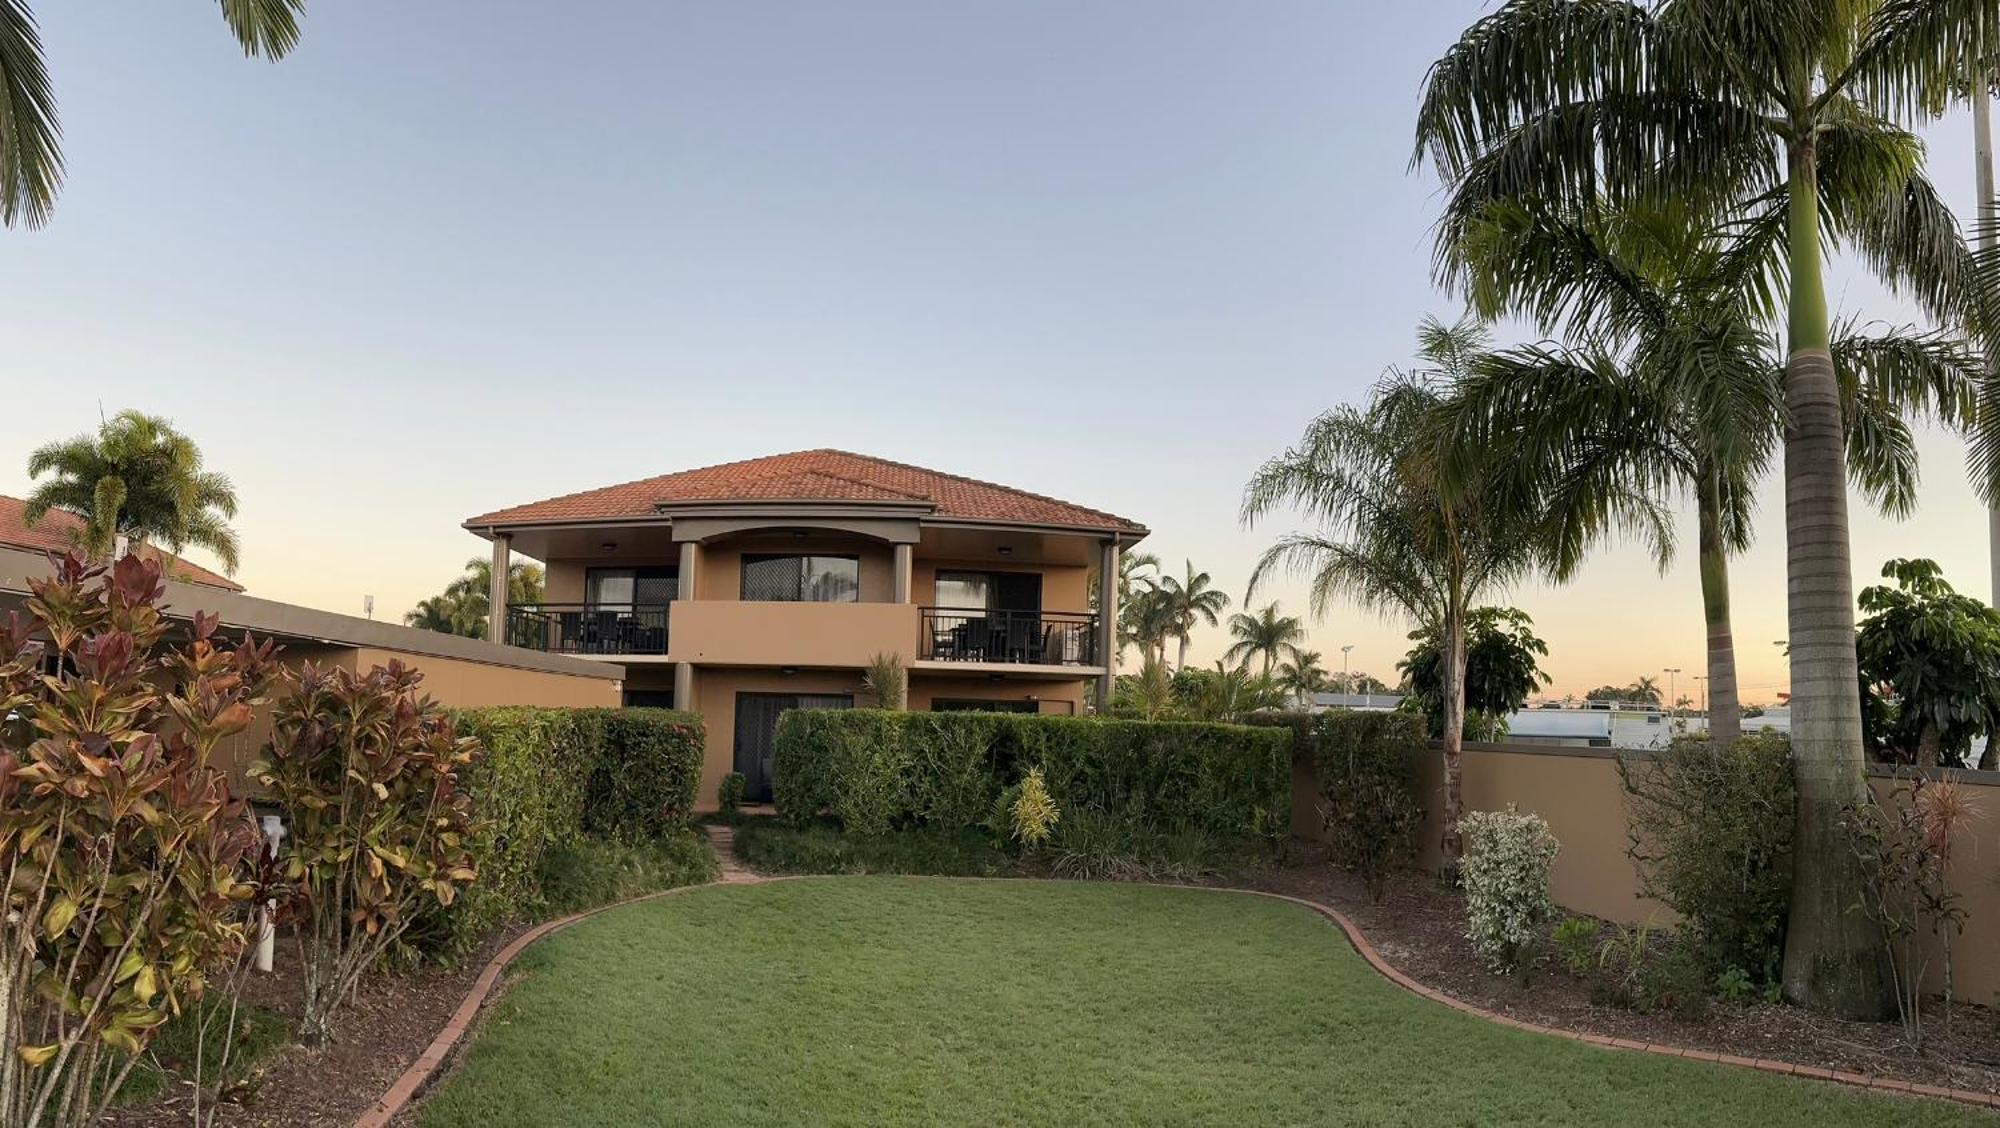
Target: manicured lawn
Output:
[(885, 1000)]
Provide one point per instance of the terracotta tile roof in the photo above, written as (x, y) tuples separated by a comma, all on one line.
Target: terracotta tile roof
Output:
[(813, 475), (54, 533)]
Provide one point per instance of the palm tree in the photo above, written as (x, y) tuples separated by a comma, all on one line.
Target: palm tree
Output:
[(1646, 689), (472, 593), (30, 149), (1394, 538), (1670, 388), (1135, 587), (1792, 118), (1266, 633), (1303, 676), (438, 613), (1189, 601), (140, 479)]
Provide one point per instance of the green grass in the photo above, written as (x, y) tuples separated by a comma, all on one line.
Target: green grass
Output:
[(885, 1000)]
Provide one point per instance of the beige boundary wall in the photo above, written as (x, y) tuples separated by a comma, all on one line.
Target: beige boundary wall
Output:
[(1577, 790)]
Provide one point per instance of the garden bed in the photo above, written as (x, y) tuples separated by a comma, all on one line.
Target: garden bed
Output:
[(1420, 929)]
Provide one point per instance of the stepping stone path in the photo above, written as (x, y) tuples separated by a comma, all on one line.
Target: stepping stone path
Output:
[(722, 839)]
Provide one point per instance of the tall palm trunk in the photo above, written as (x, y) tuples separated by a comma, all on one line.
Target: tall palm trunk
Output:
[(1725, 711), (1833, 959), (1182, 664), (1452, 847)]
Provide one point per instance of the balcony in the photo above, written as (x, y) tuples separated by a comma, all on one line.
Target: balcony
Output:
[(1031, 638), (589, 628)]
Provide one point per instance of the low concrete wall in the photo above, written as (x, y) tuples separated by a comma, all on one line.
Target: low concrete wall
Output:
[(1577, 790)]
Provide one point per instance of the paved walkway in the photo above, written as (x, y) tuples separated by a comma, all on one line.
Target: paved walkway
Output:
[(722, 839)]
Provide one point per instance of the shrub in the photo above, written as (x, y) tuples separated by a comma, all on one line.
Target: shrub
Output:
[(1905, 851), (367, 775), (131, 863), (1035, 814), (548, 779), (1506, 876), (527, 793), (1711, 835), (729, 793), (1367, 768), (1576, 942), (646, 773), (875, 770), (783, 847), (886, 682), (592, 872)]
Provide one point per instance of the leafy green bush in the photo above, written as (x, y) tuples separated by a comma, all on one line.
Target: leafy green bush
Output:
[(645, 774), (550, 780), (528, 790), (875, 771), (1711, 834), (779, 846), (729, 793), (1576, 942), (592, 872), (1367, 764), (1506, 875)]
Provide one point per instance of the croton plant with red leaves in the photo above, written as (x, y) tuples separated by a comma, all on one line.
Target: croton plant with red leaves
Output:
[(128, 864)]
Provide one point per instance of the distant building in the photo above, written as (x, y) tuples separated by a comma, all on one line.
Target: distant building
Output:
[(1367, 702)]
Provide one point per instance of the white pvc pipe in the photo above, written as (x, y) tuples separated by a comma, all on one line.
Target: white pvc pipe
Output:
[(267, 931)]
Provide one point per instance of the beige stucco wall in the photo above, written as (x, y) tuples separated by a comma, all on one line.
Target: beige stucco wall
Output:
[(736, 633), (1578, 792), (1060, 698)]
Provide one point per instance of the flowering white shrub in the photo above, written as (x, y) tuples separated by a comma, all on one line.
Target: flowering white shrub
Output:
[(1506, 876)]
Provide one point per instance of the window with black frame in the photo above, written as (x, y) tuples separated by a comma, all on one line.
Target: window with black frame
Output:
[(801, 578)]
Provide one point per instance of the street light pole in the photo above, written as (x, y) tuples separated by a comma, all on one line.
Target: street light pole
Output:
[(1671, 706), (1346, 685)]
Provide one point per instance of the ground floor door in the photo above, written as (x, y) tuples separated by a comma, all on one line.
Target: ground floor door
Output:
[(757, 730)]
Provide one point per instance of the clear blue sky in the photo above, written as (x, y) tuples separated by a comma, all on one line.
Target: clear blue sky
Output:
[(454, 255)]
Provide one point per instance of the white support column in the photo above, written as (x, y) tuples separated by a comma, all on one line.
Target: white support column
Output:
[(690, 564), (1107, 622), (684, 686), (905, 564), (496, 595)]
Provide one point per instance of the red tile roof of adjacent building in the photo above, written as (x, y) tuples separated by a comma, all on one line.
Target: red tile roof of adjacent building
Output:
[(813, 475), (57, 530)]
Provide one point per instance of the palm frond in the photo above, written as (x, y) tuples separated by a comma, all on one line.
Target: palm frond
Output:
[(30, 139), (267, 28)]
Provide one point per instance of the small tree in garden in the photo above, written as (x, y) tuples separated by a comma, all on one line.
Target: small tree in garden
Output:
[(1905, 851), (1501, 654), (1930, 668), (1367, 764), (127, 860), (367, 774), (886, 681), (1506, 876), (1711, 837)]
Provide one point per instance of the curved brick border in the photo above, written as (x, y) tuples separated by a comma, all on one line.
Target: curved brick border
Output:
[(427, 1065), (1764, 1065), (722, 838)]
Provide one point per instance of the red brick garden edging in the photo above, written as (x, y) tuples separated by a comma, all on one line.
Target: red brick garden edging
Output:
[(1765, 1065), (427, 1065)]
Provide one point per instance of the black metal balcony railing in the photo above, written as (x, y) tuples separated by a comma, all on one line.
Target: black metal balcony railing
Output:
[(589, 628), (1042, 638)]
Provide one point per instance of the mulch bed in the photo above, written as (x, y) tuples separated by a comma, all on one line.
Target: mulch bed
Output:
[(378, 1035), (1420, 929)]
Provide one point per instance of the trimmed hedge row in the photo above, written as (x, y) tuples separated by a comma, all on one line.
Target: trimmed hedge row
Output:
[(551, 778), (876, 771)]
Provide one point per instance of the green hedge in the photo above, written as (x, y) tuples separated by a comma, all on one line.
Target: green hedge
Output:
[(549, 779), (876, 771)]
